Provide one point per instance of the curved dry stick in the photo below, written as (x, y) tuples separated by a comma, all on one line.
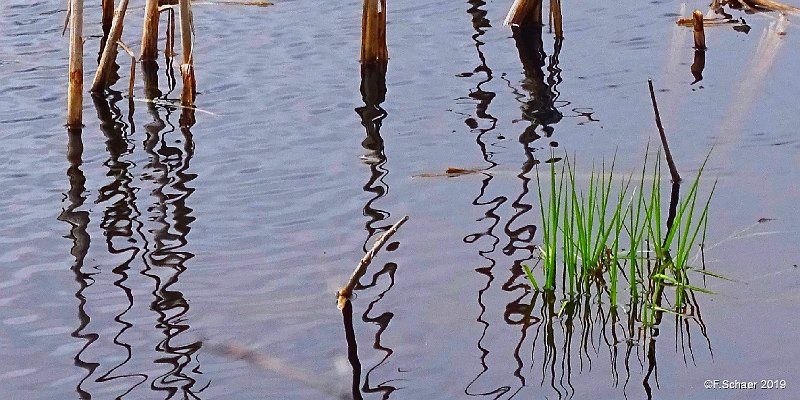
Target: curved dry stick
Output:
[(346, 291)]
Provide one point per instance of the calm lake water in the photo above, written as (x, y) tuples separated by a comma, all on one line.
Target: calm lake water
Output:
[(136, 255)]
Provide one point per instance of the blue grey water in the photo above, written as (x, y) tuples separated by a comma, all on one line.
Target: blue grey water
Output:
[(138, 255)]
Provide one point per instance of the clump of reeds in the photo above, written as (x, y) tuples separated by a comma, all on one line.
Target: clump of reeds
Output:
[(595, 233)]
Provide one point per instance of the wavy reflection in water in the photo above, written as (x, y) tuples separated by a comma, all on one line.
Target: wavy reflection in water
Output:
[(78, 220), (373, 93), (482, 124), (170, 151), (120, 221), (540, 106)]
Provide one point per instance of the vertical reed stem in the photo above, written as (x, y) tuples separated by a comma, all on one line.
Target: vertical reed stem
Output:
[(75, 90), (373, 32), (108, 15), (699, 32), (150, 31), (187, 69), (555, 16), (110, 51)]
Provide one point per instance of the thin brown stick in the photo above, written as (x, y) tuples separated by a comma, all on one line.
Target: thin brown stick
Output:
[(131, 81), (75, 90), (699, 32), (109, 56), (347, 291), (670, 162)]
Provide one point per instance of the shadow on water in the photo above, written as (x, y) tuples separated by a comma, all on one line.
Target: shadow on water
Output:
[(373, 93), (151, 243)]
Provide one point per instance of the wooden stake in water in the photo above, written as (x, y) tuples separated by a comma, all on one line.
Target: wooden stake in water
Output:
[(187, 68), (373, 32), (110, 51), (75, 90), (524, 12), (108, 15), (699, 32), (150, 31)]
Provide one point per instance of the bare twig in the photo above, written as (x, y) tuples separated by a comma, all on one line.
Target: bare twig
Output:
[(346, 291), (670, 162), (133, 67)]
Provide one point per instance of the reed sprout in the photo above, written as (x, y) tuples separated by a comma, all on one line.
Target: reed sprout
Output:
[(612, 229)]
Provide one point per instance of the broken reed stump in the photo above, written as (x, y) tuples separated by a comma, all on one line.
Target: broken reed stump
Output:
[(673, 170), (150, 31), (699, 32), (343, 296), (109, 56), (75, 89), (108, 15), (373, 32), (187, 68), (525, 12), (556, 18)]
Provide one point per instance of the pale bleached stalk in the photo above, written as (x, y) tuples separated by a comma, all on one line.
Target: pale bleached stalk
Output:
[(187, 68)]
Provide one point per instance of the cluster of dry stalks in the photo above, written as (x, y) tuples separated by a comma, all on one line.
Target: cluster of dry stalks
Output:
[(113, 26)]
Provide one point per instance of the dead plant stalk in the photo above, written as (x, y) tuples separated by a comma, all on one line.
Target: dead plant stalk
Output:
[(75, 89), (187, 69), (347, 291), (150, 32), (100, 82)]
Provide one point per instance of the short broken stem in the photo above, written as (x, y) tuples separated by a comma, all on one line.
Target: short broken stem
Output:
[(346, 291)]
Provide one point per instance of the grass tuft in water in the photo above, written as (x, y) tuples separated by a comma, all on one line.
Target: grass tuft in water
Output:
[(585, 229)]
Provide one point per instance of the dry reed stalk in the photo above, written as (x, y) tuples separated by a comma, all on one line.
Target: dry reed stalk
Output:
[(109, 56), (187, 68), (555, 18), (150, 31), (169, 49), (699, 32), (715, 21), (524, 12), (132, 79), (373, 32), (75, 90), (108, 14), (347, 291), (673, 170)]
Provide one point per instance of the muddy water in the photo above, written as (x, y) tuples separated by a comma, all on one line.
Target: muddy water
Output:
[(133, 252)]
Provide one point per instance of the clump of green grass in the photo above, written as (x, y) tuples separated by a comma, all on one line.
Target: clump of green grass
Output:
[(585, 231)]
